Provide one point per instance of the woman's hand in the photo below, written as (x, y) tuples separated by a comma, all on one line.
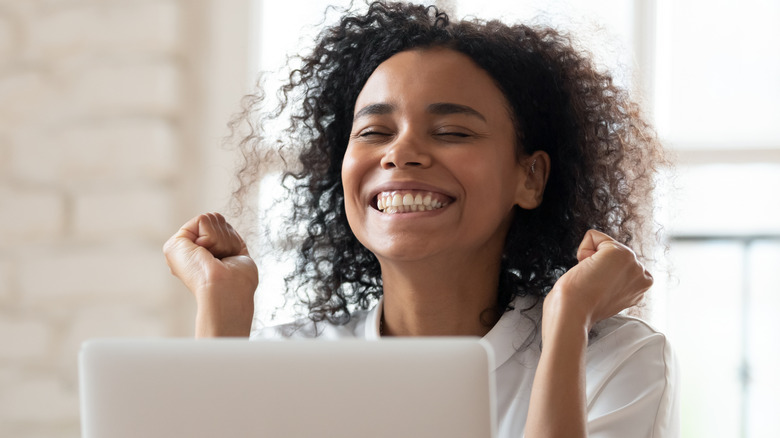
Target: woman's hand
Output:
[(607, 280), (212, 260)]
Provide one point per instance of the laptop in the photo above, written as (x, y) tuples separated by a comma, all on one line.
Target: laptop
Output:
[(403, 387)]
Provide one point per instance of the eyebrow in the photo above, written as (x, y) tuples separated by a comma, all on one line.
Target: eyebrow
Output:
[(454, 108), (442, 108), (374, 109)]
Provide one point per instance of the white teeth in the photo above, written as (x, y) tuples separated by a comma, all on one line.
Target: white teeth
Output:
[(395, 202)]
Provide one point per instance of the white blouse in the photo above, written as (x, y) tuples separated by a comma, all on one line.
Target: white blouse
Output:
[(631, 373)]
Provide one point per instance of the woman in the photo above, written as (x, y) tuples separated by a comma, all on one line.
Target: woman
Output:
[(452, 178)]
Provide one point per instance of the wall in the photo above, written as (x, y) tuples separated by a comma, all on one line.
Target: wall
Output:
[(111, 113)]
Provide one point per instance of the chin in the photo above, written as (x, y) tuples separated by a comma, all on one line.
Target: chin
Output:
[(404, 253)]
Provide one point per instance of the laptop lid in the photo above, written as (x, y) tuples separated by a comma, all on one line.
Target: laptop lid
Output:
[(404, 387)]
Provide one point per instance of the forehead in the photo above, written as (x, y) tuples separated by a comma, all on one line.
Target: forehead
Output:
[(425, 76)]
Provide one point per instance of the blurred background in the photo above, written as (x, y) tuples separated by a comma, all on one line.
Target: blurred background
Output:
[(112, 120)]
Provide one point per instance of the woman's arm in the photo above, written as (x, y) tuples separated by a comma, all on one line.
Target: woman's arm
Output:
[(212, 260), (607, 279)]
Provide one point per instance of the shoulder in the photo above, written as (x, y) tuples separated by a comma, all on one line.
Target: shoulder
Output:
[(625, 333), (357, 327), (632, 376), (628, 345)]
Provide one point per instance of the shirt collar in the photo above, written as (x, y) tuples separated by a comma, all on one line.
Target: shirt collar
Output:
[(516, 329), (373, 321)]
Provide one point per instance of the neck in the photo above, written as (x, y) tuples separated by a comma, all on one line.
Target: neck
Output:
[(439, 299)]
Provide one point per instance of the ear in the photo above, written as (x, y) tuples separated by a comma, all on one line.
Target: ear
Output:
[(534, 171)]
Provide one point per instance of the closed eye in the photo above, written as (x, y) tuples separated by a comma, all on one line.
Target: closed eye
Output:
[(454, 134), (369, 132), (372, 136), (372, 133)]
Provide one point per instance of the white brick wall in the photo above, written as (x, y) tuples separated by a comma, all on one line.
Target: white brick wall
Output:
[(6, 281), (115, 214), (30, 214), (111, 113), (24, 339), (116, 151), (125, 87), (103, 272)]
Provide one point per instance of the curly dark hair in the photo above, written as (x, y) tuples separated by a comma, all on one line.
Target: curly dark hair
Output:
[(603, 154)]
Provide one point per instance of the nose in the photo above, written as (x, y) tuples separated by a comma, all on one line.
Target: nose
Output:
[(408, 150)]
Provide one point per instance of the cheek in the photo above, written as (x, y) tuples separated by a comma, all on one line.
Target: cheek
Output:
[(493, 183), (349, 171), (352, 172), (486, 172)]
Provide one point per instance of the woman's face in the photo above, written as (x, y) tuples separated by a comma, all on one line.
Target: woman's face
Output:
[(430, 169)]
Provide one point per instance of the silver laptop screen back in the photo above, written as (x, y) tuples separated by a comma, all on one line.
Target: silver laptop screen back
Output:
[(411, 387)]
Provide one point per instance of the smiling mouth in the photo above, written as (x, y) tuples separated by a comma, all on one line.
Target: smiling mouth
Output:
[(409, 201)]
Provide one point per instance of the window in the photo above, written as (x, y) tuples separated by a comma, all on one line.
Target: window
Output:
[(717, 104)]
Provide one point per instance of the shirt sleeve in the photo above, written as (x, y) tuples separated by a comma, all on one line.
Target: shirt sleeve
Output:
[(632, 384)]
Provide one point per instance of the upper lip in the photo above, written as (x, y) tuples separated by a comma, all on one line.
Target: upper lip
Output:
[(390, 186)]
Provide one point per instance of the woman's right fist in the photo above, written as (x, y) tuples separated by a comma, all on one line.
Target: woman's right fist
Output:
[(212, 260)]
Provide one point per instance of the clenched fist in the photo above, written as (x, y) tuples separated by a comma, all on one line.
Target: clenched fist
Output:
[(212, 260), (608, 279)]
